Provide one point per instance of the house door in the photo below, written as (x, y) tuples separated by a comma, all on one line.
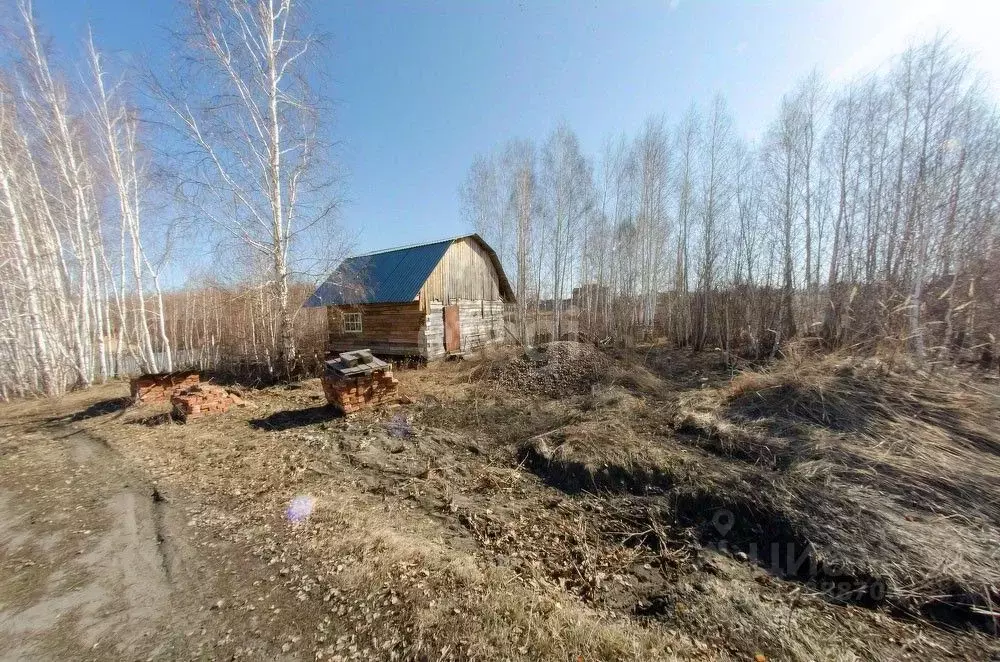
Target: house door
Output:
[(452, 330)]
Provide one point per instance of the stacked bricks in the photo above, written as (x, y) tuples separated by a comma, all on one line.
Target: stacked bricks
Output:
[(161, 387), (356, 380), (201, 399), (350, 394)]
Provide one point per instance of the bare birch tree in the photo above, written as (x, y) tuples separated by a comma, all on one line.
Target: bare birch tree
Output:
[(567, 194), (261, 170), (117, 126), (718, 153), (500, 200)]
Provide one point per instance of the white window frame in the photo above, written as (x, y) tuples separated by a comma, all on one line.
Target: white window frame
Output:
[(352, 323)]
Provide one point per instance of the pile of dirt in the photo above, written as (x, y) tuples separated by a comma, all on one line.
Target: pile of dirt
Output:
[(556, 370)]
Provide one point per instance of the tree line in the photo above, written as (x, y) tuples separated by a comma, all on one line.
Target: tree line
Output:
[(865, 215), (112, 176)]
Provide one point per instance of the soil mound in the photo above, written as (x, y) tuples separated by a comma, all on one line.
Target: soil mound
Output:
[(557, 369)]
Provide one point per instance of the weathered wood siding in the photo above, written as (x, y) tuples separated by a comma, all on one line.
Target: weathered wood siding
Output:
[(482, 323), (432, 333), (386, 328), (464, 272), (403, 329)]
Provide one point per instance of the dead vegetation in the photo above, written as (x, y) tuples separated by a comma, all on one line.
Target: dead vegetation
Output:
[(822, 486), (635, 516), (884, 474)]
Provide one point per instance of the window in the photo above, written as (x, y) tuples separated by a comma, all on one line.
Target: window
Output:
[(352, 322)]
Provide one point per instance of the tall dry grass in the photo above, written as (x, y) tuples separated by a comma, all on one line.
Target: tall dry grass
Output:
[(888, 472)]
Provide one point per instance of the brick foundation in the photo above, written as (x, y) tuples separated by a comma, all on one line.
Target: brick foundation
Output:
[(349, 394), (201, 399), (160, 388)]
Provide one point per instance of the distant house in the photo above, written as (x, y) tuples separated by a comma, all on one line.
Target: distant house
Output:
[(591, 295), (428, 300)]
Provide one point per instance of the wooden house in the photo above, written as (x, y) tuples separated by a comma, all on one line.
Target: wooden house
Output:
[(428, 300)]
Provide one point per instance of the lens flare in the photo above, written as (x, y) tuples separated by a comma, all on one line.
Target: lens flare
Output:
[(300, 508)]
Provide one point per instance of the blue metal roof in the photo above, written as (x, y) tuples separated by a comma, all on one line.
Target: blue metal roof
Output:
[(392, 276)]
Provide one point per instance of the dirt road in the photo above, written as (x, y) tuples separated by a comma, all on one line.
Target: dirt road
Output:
[(97, 562)]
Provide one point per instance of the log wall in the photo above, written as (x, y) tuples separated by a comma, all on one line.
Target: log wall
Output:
[(386, 328), (403, 329)]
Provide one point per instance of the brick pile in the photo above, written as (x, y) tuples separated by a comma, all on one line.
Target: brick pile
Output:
[(201, 399), (350, 394), (160, 388), (355, 380)]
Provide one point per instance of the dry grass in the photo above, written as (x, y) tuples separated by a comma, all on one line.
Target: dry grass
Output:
[(435, 602), (858, 466), (394, 580), (886, 474), (604, 455), (881, 477)]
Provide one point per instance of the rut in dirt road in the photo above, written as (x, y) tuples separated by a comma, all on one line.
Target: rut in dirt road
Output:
[(86, 555)]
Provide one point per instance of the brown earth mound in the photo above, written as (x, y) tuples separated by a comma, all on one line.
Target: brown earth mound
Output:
[(557, 369)]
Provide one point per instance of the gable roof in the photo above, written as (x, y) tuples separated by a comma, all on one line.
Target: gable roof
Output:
[(393, 276)]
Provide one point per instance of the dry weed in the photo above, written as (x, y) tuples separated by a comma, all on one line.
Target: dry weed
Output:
[(887, 474)]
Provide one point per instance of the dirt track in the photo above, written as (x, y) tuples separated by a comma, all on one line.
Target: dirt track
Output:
[(97, 562)]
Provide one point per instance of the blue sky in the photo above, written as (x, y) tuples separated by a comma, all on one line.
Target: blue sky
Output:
[(421, 87)]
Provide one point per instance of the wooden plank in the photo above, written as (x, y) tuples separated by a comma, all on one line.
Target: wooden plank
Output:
[(432, 333), (481, 323)]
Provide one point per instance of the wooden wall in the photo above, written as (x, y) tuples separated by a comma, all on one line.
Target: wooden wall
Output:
[(464, 272), (386, 328), (432, 334), (403, 329), (481, 323)]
